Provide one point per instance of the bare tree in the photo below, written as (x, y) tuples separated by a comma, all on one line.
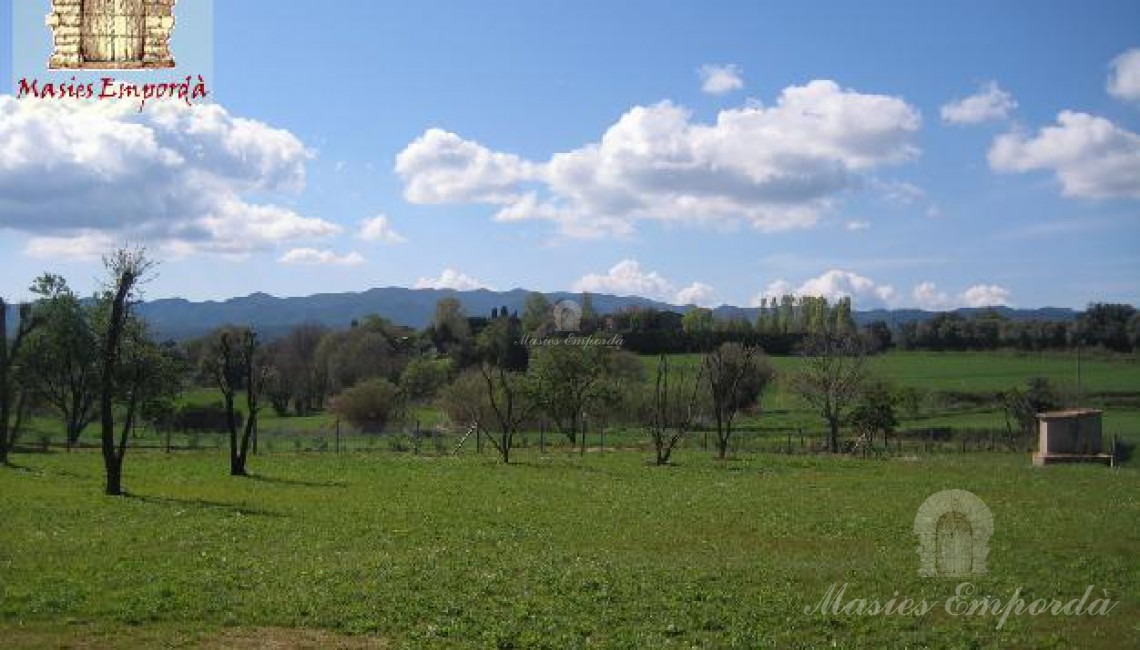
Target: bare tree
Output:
[(126, 269), (233, 363), (10, 356), (831, 378), (671, 408), (509, 405), (736, 375)]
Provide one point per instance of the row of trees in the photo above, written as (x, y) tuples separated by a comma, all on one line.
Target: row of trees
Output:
[(1110, 326), (94, 360)]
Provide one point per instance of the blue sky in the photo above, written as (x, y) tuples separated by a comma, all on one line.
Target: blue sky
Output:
[(690, 151)]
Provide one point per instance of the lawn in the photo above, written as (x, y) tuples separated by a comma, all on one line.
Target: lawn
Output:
[(556, 551)]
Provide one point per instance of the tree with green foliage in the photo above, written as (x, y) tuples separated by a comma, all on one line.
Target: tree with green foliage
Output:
[(537, 317), (566, 382), (735, 376), (831, 378), (11, 355), (62, 364), (874, 413), (589, 322), (423, 378), (369, 405), (501, 344), (450, 321), (1022, 405)]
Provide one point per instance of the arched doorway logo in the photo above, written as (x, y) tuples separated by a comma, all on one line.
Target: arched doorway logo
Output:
[(111, 34), (953, 529)]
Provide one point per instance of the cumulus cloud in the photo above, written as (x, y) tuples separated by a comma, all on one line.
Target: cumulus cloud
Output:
[(866, 293), (985, 295), (697, 293), (774, 168), (720, 79), (171, 176), (627, 278), (379, 229), (833, 285), (1090, 156), (988, 104), (451, 279), (441, 167), (927, 295), (319, 257), (1124, 76)]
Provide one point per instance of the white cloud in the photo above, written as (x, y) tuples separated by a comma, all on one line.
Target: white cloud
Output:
[(926, 295), (697, 293), (900, 192), (441, 167), (87, 246), (985, 295), (627, 278), (379, 228), (451, 279), (774, 168), (988, 104), (1091, 157), (172, 176), (721, 79), (856, 225), (317, 257), (1124, 76), (866, 293), (833, 285)]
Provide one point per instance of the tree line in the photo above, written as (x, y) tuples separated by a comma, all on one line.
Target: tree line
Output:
[(93, 360)]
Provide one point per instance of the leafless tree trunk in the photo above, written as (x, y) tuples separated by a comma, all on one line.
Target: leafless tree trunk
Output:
[(671, 410), (126, 268), (832, 375)]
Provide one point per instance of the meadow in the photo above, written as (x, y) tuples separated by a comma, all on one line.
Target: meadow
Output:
[(384, 548)]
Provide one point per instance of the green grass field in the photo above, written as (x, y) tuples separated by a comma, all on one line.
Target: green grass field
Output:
[(558, 551), (379, 547)]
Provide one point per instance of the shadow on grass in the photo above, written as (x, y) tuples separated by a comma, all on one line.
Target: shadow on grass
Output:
[(294, 481), (205, 504)]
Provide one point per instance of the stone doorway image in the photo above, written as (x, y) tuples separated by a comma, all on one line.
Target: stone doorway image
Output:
[(954, 529), (111, 34)]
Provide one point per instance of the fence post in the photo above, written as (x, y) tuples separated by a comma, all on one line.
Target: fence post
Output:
[(338, 435)]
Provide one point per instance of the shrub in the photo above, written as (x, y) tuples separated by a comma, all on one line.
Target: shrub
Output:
[(423, 378), (369, 405)]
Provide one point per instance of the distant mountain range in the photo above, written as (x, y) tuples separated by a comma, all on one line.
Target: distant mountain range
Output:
[(179, 319)]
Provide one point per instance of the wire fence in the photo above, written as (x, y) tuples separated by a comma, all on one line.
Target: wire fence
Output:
[(443, 441)]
